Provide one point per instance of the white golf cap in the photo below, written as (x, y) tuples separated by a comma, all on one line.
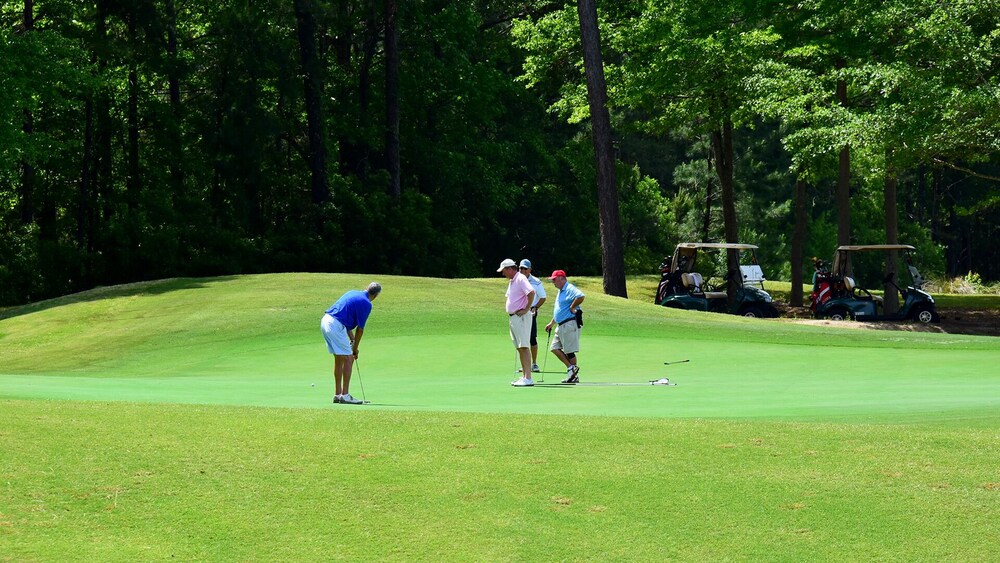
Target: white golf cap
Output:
[(508, 263)]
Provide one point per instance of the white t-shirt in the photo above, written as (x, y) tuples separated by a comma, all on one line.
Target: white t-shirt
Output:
[(536, 284)]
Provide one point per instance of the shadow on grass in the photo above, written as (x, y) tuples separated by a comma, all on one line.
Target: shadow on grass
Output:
[(156, 287)]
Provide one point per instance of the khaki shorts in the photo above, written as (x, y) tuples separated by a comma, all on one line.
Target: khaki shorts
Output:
[(520, 330), (567, 338)]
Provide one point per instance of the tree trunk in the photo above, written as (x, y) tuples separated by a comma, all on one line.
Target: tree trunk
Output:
[(312, 82), (722, 146), (612, 251), (935, 194), (86, 200), (102, 198), (798, 242), (28, 174), (843, 178), (706, 220), (392, 98), (132, 181), (175, 166), (363, 157), (347, 144), (891, 296), (342, 46)]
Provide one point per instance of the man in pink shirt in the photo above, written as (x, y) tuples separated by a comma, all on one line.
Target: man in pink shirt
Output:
[(520, 295)]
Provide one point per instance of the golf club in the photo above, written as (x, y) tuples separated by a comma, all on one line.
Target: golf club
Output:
[(661, 381), (677, 362), (357, 367), (545, 361)]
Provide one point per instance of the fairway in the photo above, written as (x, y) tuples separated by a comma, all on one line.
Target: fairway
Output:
[(193, 418)]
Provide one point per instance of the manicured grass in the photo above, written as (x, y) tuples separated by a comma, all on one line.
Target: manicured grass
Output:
[(178, 420), (781, 291)]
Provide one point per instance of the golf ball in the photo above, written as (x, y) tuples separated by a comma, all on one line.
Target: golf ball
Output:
[(312, 385)]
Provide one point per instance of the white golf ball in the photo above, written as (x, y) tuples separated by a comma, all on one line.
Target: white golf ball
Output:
[(312, 385)]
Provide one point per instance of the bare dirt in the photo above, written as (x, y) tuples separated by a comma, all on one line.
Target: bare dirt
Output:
[(953, 321)]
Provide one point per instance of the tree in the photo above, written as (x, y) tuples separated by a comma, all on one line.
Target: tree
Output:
[(613, 260), (686, 64), (392, 98), (312, 84)]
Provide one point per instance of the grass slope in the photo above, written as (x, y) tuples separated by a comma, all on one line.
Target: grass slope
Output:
[(442, 345), (176, 419)]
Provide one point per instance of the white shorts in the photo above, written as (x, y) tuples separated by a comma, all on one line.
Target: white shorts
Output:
[(520, 330), (335, 334), (567, 338)]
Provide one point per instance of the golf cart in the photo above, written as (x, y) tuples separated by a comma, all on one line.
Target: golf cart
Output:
[(838, 293), (689, 281)]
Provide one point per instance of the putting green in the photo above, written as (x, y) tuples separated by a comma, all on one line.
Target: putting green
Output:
[(441, 345)]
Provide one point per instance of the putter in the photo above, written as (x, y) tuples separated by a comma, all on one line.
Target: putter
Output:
[(661, 381), (364, 398), (677, 362), (545, 360)]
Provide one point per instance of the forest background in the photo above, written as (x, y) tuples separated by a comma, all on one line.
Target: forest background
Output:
[(146, 139)]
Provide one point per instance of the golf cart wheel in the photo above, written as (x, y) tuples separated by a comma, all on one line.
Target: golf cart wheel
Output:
[(839, 315), (753, 311), (923, 315)]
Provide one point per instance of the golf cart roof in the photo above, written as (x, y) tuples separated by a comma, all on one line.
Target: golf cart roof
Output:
[(856, 248), (734, 245)]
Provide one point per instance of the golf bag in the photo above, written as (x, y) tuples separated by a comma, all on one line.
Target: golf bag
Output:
[(661, 290), (823, 286), (822, 292), (669, 281)]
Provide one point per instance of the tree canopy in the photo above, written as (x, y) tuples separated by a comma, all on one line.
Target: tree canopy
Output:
[(160, 138)]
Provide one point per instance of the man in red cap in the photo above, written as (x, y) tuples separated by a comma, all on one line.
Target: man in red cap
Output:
[(567, 320)]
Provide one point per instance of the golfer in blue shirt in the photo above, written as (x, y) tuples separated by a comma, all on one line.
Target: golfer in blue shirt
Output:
[(567, 320), (342, 325)]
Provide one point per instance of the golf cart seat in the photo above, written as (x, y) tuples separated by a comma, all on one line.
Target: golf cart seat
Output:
[(863, 294), (753, 275), (692, 281)]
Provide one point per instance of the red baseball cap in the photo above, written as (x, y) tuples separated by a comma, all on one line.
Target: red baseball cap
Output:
[(558, 274)]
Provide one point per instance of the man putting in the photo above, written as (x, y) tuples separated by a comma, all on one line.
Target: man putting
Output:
[(343, 325), (567, 320), (520, 296)]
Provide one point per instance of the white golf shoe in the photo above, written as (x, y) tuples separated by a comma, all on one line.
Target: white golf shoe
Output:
[(523, 382), (571, 375), (347, 399)]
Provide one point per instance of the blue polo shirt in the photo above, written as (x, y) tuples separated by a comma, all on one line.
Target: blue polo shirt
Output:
[(352, 309), (566, 296)]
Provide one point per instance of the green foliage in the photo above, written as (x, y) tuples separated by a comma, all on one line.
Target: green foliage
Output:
[(647, 225), (125, 155)]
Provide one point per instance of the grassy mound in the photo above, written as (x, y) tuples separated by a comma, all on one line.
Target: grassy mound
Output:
[(192, 419)]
